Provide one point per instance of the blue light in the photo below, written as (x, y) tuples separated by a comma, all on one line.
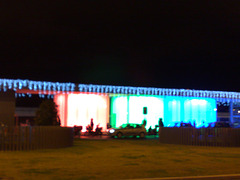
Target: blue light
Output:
[(14, 85), (19, 84), (9, 82), (4, 86), (44, 87), (189, 110), (35, 86), (63, 88), (54, 86), (172, 109)]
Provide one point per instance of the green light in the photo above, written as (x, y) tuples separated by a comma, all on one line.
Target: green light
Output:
[(135, 104), (118, 113), (172, 109)]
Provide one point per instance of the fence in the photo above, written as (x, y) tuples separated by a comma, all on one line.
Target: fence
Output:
[(36, 137), (201, 136)]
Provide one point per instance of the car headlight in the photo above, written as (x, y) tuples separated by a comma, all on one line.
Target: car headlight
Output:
[(112, 130)]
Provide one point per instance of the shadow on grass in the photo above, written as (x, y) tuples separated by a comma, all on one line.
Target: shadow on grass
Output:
[(40, 171), (129, 156)]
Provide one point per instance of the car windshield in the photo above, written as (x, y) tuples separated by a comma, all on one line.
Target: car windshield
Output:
[(130, 126)]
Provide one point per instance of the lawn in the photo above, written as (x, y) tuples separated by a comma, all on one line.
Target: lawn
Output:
[(119, 159)]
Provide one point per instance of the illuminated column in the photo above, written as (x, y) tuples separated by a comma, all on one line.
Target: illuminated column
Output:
[(231, 111), (154, 105), (61, 102), (202, 111), (165, 111), (172, 110), (181, 109), (119, 111), (112, 116), (128, 109)]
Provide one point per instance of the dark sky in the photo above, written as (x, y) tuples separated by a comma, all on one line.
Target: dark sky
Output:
[(164, 43)]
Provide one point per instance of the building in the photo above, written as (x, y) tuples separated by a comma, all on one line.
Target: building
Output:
[(116, 105)]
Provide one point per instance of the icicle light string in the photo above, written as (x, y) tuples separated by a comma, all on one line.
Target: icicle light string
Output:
[(49, 88)]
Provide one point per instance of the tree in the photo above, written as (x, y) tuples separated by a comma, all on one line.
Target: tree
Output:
[(47, 114)]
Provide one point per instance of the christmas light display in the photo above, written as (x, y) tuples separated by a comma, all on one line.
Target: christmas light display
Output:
[(78, 103), (52, 88), (129, 109), (79, 108), (197, 111), (172, 110), (26, 87)]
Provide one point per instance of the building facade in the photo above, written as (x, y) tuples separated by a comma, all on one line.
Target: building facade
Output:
[(79, 108), (117, 105)]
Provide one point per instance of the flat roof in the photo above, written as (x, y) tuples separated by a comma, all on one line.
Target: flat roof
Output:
[(25, 86)]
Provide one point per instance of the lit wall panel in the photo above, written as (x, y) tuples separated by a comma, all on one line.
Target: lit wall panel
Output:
[(119, 111), (154, 107), (129, 109), (202, 111), (172, 111), (80, 108), (188, 110)]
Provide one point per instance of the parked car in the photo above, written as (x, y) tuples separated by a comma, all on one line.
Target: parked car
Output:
[(236, 125), (128, 130)]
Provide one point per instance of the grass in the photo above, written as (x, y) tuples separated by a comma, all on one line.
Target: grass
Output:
[(119, 159)]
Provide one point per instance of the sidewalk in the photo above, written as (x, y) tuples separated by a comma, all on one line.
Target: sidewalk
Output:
[(85, 135), (93, 137), (211, 177)]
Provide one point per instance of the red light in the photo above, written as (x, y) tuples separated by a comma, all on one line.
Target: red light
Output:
[(78, 109)]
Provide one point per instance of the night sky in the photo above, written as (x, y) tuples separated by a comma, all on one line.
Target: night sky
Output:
[(166, 44)]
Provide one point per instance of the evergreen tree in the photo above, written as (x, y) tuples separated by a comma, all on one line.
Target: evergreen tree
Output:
[(47, 114)]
